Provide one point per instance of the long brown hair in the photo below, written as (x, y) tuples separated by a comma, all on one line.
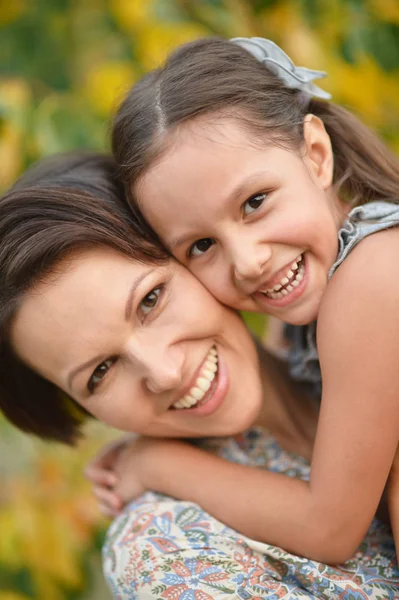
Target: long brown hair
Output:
[(211, 76), (63, 205)]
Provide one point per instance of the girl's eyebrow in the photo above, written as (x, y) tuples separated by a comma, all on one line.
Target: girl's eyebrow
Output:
[(235, 194), (128, 312)]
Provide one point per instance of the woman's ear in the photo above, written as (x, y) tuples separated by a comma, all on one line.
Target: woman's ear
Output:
[(318, 151)]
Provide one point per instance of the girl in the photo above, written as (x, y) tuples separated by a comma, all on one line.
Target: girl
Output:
[(279, 202)]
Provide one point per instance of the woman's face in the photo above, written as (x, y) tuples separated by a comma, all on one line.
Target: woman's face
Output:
[(136, 345)]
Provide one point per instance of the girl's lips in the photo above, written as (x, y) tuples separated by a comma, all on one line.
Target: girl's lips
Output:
[(291, 296), (219, 389)]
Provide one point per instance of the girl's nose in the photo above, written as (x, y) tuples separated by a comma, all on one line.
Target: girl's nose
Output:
[(250, 262)]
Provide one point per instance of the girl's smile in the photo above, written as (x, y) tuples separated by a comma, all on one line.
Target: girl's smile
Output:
[(291, 283), (257, 224)]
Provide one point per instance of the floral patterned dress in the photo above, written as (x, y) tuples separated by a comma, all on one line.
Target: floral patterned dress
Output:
[(163, 549)]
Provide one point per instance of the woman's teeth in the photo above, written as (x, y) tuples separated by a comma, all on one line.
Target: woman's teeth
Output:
[(203, 382), (289, 281)]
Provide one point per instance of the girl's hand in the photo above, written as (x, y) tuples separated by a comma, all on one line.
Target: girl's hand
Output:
[(101, 472), (140, 466)]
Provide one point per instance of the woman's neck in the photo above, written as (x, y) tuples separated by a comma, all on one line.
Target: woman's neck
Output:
[(288, 412)]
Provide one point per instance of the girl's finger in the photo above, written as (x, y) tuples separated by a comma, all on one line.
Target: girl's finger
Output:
[(108, 512), (108, 498), (101, 476)]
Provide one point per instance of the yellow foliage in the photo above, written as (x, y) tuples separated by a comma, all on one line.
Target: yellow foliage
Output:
[(14, 100), (130, 14), (282, 17), (364, 86), (10, 11), (387, 10), (10, 154), (107, 83), (48, 518), (12, 596), (154, 41)]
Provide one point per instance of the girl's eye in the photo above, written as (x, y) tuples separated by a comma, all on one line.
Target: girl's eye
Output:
[(253, 203), (150, 301), (201, 246), (99, 373)]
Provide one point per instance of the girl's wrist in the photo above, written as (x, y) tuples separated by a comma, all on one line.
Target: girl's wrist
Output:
[(158, 459)]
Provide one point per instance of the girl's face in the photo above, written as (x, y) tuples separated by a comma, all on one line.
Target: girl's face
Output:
[(256, 224), (137, 345)]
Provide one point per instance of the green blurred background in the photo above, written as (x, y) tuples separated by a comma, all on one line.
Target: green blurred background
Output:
[(64, 65)]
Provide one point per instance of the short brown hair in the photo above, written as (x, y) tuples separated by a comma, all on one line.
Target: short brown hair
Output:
[(62, 205)]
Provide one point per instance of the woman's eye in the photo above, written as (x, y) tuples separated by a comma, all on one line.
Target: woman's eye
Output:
[(150, 301), (201, 246), (99, 373), (253, 203)]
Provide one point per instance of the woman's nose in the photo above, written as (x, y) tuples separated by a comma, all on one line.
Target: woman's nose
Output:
[(163, 378), (157, 365)]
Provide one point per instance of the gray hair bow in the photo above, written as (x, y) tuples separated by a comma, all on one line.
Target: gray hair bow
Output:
[(277, 61)]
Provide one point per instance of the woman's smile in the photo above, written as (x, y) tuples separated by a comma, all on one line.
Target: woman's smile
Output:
[(198, 393)]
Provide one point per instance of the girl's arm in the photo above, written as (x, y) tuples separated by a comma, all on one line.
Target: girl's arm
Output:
[(325, 519), (393, 499)]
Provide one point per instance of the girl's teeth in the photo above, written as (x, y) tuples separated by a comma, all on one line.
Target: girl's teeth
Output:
[(297, 270), (202, 384)]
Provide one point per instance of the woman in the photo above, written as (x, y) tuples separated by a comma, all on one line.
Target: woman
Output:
[(96, 316)]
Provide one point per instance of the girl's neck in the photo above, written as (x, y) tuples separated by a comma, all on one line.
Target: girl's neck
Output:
[(288, 412)]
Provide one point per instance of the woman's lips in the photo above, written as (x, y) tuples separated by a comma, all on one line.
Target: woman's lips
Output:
[(214, 396), (201, 383)]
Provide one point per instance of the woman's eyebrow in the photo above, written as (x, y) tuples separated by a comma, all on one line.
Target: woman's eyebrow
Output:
[(130, 298), (128, 312), (92, 362)]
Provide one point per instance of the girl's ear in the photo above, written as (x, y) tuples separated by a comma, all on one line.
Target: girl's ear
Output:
[(318, 149)]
